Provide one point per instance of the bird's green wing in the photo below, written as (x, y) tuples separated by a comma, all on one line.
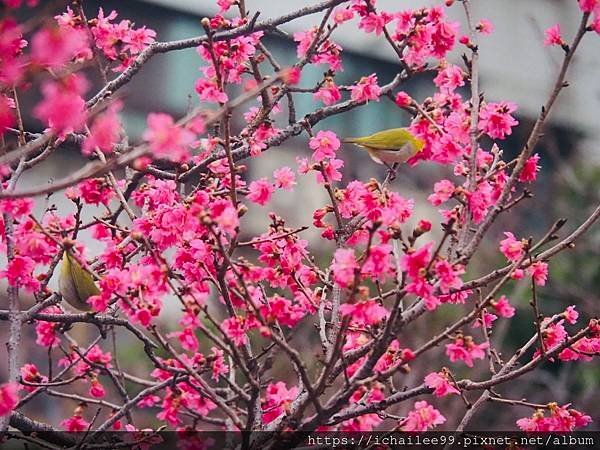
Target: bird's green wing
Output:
[(393, 139), (84, 282)]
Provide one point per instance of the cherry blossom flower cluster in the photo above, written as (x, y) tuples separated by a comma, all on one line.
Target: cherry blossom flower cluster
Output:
[(561, 418), (118, 41), (57, 47)]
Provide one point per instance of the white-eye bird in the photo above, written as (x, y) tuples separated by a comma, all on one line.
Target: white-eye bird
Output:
[(396, 145), (75, 283)]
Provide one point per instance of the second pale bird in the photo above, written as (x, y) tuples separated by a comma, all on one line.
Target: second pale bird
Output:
[(76, 284), (396, 145)]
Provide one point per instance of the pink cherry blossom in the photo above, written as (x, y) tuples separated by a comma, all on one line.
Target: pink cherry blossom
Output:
[(589, 5), (75, 424), (330, 171), (117, 41), (291, 76), (503, 307), (187, 339), (443, 33), (62, 108), (329, 93), (324, 144), (209, 91), (582, 350), (374, 23), (96, 389), (8, 398), (480, 200), (344, 267), (561, 419), (7, 116), (539, 272), (466, 350), (30, 374), (518, 274), (11, 45), (378, 264), (226, 216), (553, 36), (530, 170), (448, 275), (415, 262), (342, 15), (282, 311), (442, 192), (397, 211), (278, 399), (260, 191), (17, 3), (403, 99), (495, 119), (138, 39), (366, 89), (54, 47), (166, 139), (486, 320), (365, 313), (219, 368), (285, 178), (512, 248), (326, 53), (393, 357), (225, 5), (571, 315), (422, 418), (104, 132), (440, 383), (46, 331), (449, 78), (554, 335), (19, 272), (242, 290), (596, 23), (485, 27), (422, 288), (305, 40), (95, 191), (234, 328)]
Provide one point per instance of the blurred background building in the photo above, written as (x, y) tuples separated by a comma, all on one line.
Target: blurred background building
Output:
[(514, 66)]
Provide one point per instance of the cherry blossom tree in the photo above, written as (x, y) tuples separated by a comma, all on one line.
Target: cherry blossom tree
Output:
[(172, 236)]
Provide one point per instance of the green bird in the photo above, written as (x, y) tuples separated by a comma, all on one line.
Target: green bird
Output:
[(396, 145), (76, 284)]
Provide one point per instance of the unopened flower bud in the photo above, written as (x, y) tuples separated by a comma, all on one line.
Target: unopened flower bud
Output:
[(423, 227), (142, 163)]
